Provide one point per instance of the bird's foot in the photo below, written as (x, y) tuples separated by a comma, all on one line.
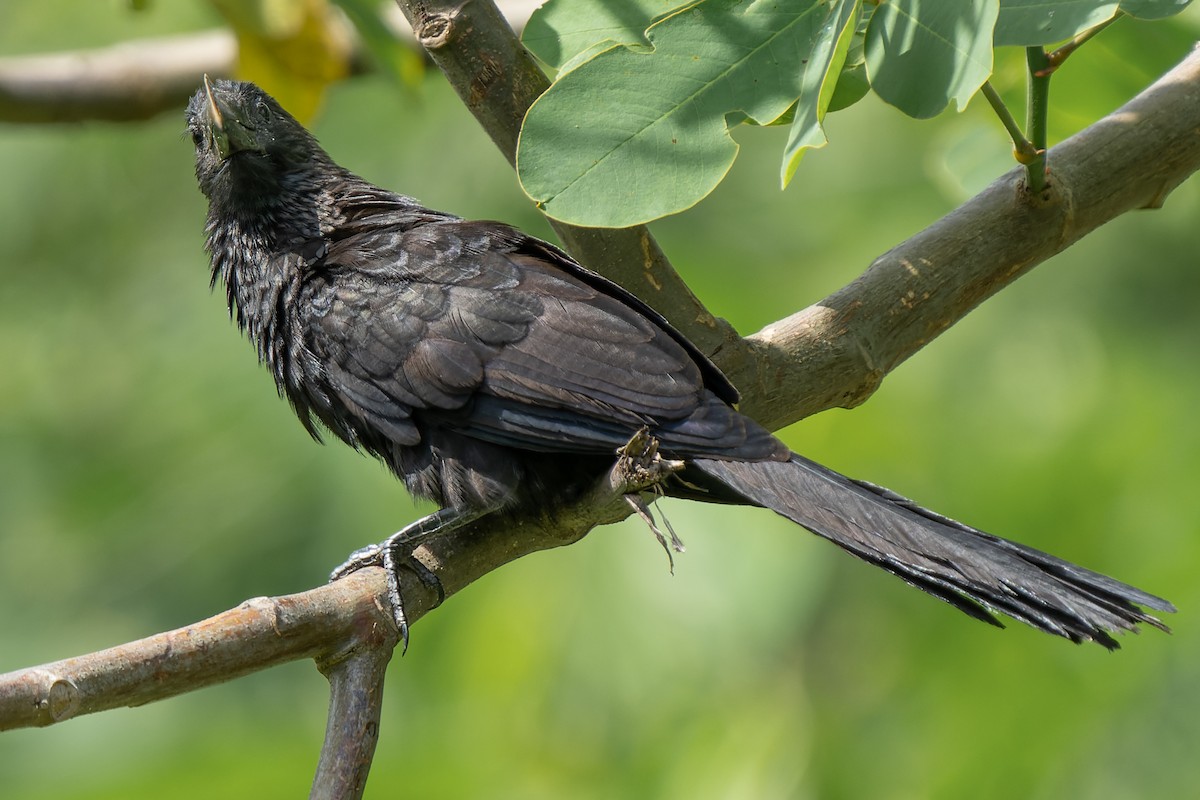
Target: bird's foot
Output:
[(396, 553), (639, 465), (640, 468)]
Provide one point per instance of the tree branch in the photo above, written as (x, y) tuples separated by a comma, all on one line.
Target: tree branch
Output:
[(128, 81), (352, 728), (347, 627), (260, 633), (836, 352)]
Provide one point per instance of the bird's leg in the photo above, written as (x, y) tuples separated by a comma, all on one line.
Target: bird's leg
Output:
[(396, 552)]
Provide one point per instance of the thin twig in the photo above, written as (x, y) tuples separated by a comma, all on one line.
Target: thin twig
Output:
[(1023, 149), (1055, 59)]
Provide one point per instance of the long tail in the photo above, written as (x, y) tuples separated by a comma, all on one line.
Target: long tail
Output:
[(969, 569)]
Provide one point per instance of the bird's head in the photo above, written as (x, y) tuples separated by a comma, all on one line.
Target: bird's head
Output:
[(247, 145)]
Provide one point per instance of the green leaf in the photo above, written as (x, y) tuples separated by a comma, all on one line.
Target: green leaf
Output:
[(1034, 22), (818, 78), (922, 55), (1153, 9), (852, 84), (631, 136), (564, 33)]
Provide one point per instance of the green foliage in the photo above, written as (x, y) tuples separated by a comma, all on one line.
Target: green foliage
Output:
[(819, 79), (150, 476), (637, 124)]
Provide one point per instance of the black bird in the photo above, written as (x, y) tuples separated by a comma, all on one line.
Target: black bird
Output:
[(493, 374)]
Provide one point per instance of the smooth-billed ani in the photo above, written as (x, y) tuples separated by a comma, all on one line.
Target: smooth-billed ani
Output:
[(492, 374)]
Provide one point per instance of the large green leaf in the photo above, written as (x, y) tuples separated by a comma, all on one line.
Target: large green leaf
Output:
[(629, 136), (921, 55), (564, 33), (1033, 22), (1153, 9), (818, 79)]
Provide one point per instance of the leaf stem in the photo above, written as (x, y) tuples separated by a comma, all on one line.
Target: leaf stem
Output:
[(1037, 108), (1023, 149), (1055, 59)]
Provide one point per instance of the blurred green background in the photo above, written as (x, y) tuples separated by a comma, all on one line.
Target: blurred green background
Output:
[(149, 477)]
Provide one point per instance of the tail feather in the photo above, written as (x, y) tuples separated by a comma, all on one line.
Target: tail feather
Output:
[(973, 571)]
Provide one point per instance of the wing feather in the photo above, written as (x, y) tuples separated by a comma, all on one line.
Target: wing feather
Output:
[(480, 328)]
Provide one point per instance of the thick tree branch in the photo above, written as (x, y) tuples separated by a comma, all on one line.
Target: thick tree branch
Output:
[(259, 633), (836, 352)]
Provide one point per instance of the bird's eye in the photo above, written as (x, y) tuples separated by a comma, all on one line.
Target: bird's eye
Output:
[(197, 137), (264, 111)]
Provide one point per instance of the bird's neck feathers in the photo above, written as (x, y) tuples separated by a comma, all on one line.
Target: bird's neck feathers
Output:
[(257, 240)]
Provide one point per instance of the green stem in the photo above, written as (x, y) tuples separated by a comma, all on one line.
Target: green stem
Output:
[(1037, 108), (1023, 149), (1055, 59)]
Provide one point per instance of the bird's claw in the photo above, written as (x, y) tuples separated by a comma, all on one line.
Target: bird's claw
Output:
[(380, 555), (639, 465), (393, 554), (640, 468), (369, 556)]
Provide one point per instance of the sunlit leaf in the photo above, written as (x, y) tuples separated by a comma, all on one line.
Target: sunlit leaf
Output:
[(920, 56), (819, 76), (852, 84)]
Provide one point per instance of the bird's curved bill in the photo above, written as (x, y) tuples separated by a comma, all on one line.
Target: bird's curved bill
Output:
[(216, 121)]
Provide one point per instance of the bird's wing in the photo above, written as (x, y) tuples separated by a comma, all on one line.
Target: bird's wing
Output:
[(483, 329)]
